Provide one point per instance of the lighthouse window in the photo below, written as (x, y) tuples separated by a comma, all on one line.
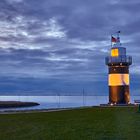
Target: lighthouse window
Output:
[(114, 52)]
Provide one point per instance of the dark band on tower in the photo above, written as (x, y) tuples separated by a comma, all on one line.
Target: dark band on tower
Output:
[(118, 79)]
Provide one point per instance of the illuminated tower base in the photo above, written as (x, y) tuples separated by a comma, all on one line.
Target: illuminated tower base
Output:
[(118, 78), (118, 82)]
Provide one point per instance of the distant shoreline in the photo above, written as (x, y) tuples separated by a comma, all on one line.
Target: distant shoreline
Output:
[(11, 104)]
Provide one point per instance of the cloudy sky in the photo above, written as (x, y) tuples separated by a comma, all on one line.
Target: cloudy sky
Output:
[(51, 46)]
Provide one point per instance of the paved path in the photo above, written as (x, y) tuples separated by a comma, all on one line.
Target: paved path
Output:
[(34, 111)]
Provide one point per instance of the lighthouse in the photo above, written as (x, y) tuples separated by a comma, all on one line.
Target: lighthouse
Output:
[(118, 72)]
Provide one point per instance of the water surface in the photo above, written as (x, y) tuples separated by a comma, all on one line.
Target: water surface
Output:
[(50, 102)]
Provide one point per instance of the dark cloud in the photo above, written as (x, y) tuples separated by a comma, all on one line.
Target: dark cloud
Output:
[(64, 41)]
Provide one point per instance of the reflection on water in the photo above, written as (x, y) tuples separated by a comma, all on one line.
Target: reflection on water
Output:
[(49, 102)]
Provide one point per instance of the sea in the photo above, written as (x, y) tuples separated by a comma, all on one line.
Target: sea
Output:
[(53, 102)]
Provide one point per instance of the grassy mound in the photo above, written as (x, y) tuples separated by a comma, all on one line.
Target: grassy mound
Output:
[(98, 123)]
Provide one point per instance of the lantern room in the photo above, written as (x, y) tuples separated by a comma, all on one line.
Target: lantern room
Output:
[(118, 51)]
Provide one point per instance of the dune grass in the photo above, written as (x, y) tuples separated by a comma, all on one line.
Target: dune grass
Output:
[(119, 123)]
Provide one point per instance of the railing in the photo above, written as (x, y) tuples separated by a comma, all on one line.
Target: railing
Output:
[(120, 59)]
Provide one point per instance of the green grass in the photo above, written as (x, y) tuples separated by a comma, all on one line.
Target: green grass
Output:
[(119, 123)]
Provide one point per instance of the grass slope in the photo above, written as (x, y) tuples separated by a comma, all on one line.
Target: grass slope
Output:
[(80, 124)]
